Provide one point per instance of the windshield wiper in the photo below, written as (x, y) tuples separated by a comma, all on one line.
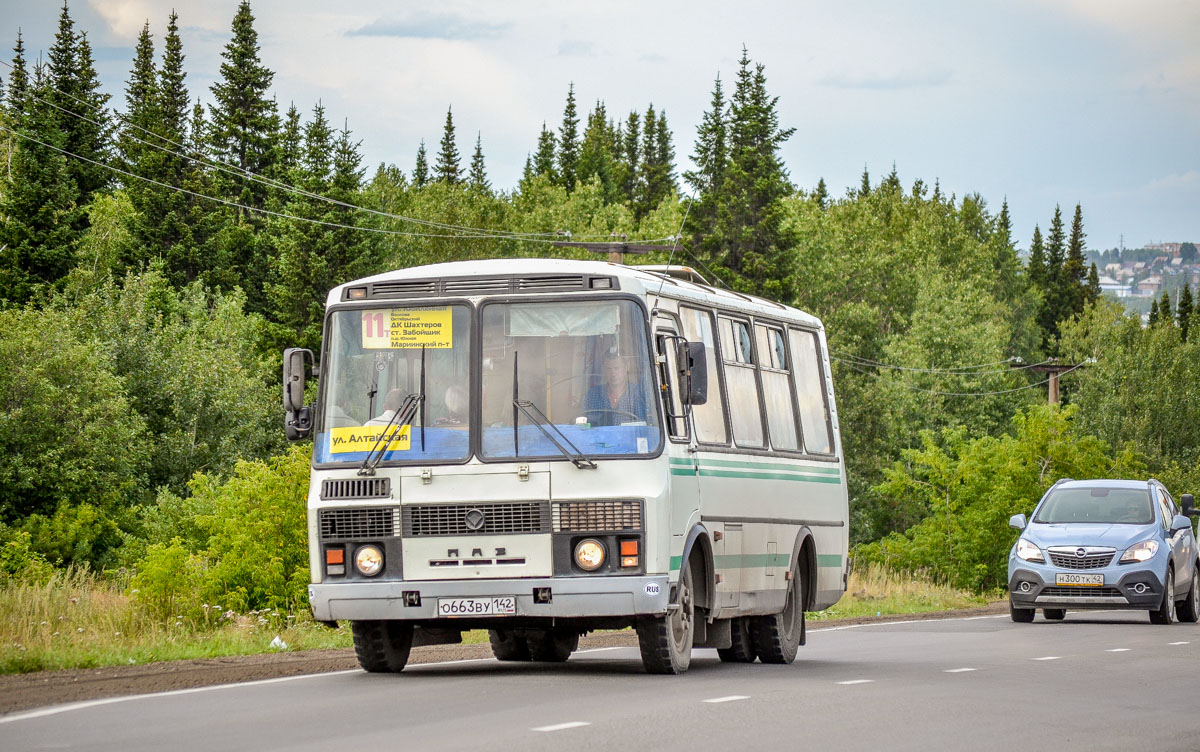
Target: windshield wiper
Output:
[(403, 416), (539, 419)]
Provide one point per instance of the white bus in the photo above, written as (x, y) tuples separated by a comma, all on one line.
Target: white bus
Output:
[(542, 448)]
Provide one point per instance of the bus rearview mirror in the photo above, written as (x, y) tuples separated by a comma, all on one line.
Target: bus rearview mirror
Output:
[(295, 374), (693, 372)]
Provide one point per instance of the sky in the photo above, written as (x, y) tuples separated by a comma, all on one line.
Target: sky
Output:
[(1037, 102)]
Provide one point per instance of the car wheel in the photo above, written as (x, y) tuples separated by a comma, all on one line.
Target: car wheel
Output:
[(1054, 614), (1189, 608), (1165, 614), (1020, 615)]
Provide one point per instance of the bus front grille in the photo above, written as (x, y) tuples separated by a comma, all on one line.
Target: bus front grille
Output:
[(426, 520), (356, 488), (360, 524), (597, 516)]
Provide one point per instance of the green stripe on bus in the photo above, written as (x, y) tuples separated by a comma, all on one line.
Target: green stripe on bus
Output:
[(705, 462), (829, 560), (769, 476)]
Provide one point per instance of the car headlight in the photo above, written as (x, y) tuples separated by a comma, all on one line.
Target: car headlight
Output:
[(1029, 552), (369, 560), (589, 554), (1143, 551)]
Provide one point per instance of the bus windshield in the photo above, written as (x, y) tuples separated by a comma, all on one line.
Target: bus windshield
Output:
[(377, 357), (582, 365)]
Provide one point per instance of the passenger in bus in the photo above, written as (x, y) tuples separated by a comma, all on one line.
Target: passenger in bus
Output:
[(618, 400), (391, 403), (455, 413)]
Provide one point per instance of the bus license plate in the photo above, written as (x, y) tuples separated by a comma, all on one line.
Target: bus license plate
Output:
[(496, 606), (1081, 580)]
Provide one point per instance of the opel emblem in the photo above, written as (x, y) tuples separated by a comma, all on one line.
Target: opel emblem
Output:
[(474, 520), (1081, 552)]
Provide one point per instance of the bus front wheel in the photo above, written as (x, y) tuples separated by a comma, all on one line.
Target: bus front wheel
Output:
[(666, 641), (777, 637), (382, 646)]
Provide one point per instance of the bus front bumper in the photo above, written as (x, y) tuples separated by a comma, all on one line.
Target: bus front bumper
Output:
[(568, 597)]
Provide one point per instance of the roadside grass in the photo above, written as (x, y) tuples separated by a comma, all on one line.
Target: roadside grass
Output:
[(79, 619), (876, 591)]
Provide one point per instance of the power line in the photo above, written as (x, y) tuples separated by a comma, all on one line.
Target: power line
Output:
[(279, 185), (1008, 365), (937, 393)]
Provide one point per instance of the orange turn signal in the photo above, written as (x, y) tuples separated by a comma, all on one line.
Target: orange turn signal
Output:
[(629, 548), (335, 556)]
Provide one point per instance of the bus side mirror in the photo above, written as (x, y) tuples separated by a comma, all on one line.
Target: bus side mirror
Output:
[(298, 422), (693, 372)]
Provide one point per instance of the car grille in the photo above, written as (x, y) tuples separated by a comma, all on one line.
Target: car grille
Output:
[(359, 523), (597, 516), (1081, 592), (1091, 561), (425, 520)]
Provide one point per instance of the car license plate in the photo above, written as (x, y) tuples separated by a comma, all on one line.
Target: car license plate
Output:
[(1080, 580), (495, 606)]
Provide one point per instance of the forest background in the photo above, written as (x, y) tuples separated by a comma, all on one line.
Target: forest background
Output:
[(157, 254)]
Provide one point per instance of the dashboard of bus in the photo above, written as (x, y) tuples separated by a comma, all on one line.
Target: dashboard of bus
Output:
[(506, 380)]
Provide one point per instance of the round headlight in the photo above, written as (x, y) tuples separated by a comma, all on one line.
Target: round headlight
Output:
[(369, 560), (589, 554)]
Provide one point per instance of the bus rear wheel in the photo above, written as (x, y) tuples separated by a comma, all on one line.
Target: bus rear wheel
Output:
[(553, 645), (666, 641), (508, 645), (776, 637), (382, 646), (741, 648)]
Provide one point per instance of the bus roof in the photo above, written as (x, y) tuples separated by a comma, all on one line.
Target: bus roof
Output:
[(491, 276)]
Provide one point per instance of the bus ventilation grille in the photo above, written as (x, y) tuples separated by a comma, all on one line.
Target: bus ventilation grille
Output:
[(430, 288), (356, 488), (425, 520), (360, 524), (597, 516)]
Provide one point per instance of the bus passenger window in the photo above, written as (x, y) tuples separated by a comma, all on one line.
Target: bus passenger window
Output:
[(777, 388), (810, 393), (708, 418), (745, 410)]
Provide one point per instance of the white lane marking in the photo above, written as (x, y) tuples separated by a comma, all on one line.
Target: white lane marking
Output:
[(600, 650), (1117, 650), (858, 681), (906, 621), (561, 726), (959, 670), (1185, 642), (112, 700), (1046, 658), (730, 698)]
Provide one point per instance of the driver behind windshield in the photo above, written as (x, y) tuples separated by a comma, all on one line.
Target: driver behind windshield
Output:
[(618, 400)]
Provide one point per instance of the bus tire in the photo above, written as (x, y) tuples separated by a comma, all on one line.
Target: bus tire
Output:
[(776, 637), (552, 645), (382, 646), (666, 641), (508, 645), (741, 648)]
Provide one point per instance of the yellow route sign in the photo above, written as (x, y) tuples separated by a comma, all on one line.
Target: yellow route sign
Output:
[(405, 328), (363, 439)]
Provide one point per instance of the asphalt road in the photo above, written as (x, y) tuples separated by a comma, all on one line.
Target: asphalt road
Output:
[(1098, 681)]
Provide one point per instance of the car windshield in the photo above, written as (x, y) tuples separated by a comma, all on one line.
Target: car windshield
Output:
[(584, 365), (377, 357), (1124, 506)]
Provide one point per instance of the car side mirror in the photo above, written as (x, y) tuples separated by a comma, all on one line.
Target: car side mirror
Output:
[(693, 372), (1017, 522), (1180, 523), (1187, 503), (298, 422)]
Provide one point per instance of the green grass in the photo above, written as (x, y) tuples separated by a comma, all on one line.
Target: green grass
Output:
[(875, 591)]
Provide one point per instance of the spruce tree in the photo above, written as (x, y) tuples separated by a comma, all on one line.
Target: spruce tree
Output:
[(1074, 277), (421, 169), (290, 143), (821, 195), (244, 121), (1184, 310), (1057, 299), (1164, 309), (477, 176), (1153, 318), (632, 157), (711, 152), (568, 143), (595, 154), (543, 159), (77, 108), (18, 83), (1038, 275), (648, 174), (448, 169), (1093, 285), (864, 189), (141, 107)]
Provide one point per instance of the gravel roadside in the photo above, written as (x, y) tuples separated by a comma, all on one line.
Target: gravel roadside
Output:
[(24, 691)]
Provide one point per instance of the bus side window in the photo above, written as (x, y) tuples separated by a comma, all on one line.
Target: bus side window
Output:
[(810, 393), (745, 408), (777, 387), (668, 379), (708, 418)]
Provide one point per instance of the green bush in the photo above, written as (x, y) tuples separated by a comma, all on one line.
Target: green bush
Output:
[(76, 534), (19, 561)]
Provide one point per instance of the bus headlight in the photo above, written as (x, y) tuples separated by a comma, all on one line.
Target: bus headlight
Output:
[(369, 560), (589, 554)]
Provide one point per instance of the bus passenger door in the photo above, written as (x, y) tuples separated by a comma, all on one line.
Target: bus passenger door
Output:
[(684, 503)]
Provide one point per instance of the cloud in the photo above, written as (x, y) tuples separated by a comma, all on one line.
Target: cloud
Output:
[(892, 80), (575, 48), (431, 26)]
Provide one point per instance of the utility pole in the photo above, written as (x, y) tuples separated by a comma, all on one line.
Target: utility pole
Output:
[(1055, 369)]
